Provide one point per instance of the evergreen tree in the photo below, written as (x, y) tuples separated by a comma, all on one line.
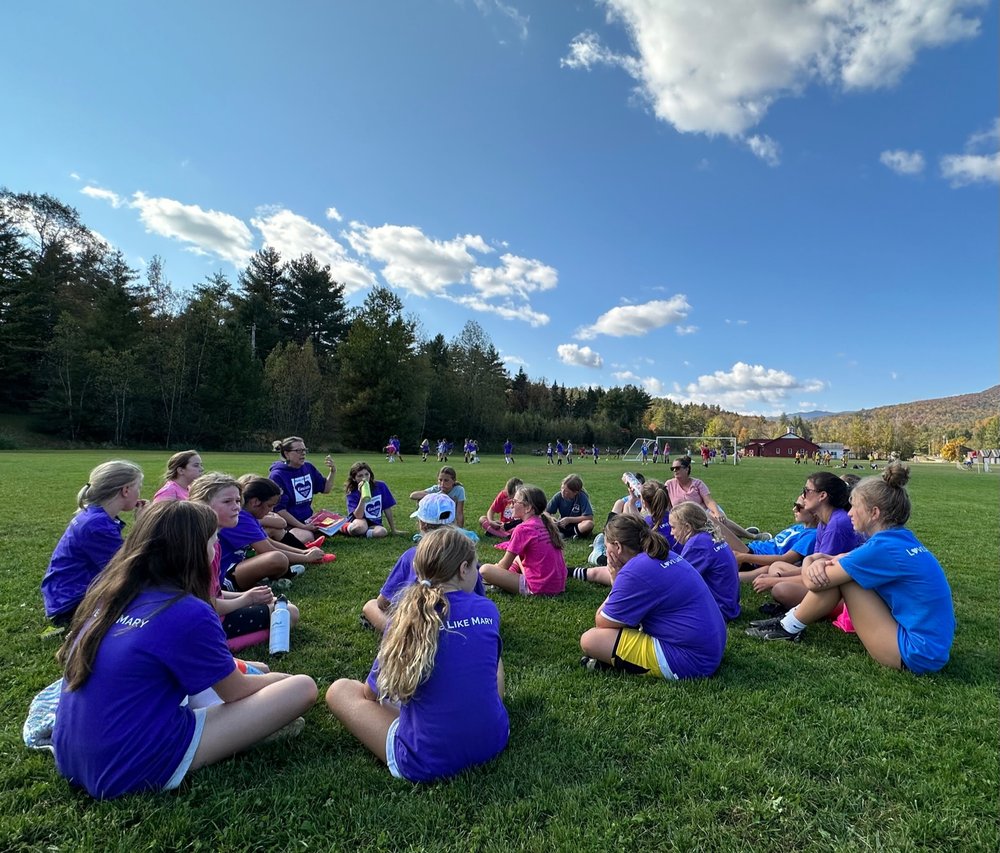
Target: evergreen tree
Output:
[(257, 304)]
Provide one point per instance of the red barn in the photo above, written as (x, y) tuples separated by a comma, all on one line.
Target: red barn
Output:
[(782, 447)]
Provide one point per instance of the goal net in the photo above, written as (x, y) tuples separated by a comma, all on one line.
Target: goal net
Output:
[(722, 448)]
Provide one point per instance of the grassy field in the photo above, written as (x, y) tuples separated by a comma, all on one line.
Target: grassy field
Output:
[(789, 747)]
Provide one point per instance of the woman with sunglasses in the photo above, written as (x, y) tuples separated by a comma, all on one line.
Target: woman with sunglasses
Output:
[(828, 498), (299, 481), (683, 487)]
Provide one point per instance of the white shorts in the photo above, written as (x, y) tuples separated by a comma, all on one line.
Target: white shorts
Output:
[(185, 765), (390, 750)]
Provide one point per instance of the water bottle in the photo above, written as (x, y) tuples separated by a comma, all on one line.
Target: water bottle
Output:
[(281, 623), (366, 490)]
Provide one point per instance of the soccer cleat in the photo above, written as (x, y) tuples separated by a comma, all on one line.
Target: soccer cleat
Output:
[(593, 664), (328, 558), (774, 632), (753, 531), (767, 623), (316, 543), (296, 569), (772, 608)]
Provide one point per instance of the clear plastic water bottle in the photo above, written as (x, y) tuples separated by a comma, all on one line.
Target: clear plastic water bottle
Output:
[(281, 624)]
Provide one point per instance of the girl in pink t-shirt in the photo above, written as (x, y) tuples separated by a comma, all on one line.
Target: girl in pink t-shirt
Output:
[(533, 563), (182, 470)]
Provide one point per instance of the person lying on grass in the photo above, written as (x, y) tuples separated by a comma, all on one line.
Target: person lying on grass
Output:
[(895, 589), (660, 617), (828, 498), (432, 704), (791, 545), (92, 538), (433, 512), (533, 563), (143, 640)]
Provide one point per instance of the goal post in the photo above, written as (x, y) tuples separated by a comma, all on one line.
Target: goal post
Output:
[(679, 445)]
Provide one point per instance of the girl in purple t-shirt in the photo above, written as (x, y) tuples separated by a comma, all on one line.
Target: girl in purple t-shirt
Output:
[(146, 637), (712, 558), (660, 618), (432, 705), (533, 563), (369, 501)]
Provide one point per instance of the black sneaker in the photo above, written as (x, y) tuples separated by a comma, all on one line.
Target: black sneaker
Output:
[(593, 664), (767, 623), (775, 632), (772, 608)]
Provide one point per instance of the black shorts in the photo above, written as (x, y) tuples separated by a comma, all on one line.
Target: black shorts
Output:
[(247, 620)]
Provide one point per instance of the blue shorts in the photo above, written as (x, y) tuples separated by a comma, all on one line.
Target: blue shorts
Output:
[(185, 765)]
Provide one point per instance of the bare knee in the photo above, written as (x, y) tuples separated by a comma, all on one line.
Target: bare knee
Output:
[(588, 642)]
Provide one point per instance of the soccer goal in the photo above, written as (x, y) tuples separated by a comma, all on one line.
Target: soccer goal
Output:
[(679, 445)]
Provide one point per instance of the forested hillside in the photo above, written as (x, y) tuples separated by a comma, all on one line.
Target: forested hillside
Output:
[(92, 352)]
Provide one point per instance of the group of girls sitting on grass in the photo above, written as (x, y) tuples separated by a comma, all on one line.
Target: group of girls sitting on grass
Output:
[(157, 626), (144, 639)]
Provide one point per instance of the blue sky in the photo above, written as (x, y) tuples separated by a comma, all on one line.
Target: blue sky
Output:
[(772, 206)]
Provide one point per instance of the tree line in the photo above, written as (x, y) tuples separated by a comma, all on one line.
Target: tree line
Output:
[(94, 352)]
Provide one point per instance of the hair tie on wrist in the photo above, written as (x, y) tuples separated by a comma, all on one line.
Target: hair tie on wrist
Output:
[(425, 582)]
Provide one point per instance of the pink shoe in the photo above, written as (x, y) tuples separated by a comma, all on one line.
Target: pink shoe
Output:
[(316, 543), (328, 558)]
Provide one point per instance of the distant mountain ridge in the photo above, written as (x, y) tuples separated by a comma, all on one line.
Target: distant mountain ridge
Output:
[(961, 411)]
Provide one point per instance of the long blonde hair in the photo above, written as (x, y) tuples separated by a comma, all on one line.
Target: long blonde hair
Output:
[(406, 656)]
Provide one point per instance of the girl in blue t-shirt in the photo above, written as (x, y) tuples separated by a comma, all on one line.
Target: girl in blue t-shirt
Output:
[(791, 545), (896, 591), (447, 484), (144, 639), (432, 704)]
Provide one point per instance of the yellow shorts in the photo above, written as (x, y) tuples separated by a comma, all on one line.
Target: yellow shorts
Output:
[(640, 650)]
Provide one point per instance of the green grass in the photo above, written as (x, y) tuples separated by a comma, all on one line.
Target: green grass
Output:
[(790, 747)]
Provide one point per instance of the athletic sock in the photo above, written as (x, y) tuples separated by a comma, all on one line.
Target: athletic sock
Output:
[(580, 573), (791, 623)]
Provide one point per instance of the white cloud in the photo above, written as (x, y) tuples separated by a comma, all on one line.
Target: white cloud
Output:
[(293, 236), (513, 359), (516, 276), (414, 262), (903, 162), (507, 310), (686, 330), (717, 66), (516, 17), (632, 320), (973, 167), (579, 356), (110, 197), (334, 214), (650, 383), (765, 148), (208, 231), (893, 375), (736, 322), (747, 388), (74, 176)]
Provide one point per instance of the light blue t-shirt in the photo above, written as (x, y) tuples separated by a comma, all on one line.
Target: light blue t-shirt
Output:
[(457, 492), (910, 580), (797, 538)]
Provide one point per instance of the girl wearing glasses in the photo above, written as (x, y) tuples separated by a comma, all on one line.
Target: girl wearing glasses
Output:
[(299, 481), (791, 545), (828, 498)]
